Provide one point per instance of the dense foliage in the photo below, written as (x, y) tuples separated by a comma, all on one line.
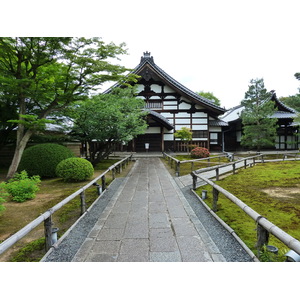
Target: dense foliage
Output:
[(41, 76), (259, 128), (200, 152), (22, 187), (42, 159), (104, 120), (74, 169)]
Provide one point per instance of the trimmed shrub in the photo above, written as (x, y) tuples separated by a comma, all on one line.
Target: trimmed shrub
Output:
[(74, 169), (21, 187), (42, 159), (200, 152)]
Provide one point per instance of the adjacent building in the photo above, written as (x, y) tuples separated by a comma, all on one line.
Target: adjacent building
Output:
[(287, 137)]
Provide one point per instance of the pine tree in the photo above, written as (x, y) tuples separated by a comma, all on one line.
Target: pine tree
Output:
[(259, 128)]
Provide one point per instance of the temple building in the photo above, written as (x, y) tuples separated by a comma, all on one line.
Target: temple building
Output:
[(286, 139), (170, 107)]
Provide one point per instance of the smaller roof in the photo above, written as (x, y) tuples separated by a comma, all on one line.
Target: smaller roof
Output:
[(283, 111), (220, 123), (160, 118)]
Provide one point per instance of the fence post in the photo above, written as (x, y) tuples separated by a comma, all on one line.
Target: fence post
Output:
[(178, 169), (113, 172), (103, 183), (192, 166), (217, 173), (215, 200), (194, 181), (83, 205), (233, 168), (262, 237), (48, 232)]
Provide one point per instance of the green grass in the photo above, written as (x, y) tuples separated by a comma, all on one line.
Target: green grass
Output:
[(249, 185), (52, 191)]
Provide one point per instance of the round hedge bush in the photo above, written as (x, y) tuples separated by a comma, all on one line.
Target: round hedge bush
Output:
[(74, 169), (199, 152), (42, 159)]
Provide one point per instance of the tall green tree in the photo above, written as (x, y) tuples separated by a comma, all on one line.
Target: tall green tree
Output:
[(259, 128), (210, 96), (42, 76), (108, 119)]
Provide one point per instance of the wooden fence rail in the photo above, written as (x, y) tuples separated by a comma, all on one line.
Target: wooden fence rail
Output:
[(46, 217), (264, 227), (176, 163)]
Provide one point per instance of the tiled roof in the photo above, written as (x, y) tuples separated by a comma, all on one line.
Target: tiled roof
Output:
[(163, 119), (217, 123)]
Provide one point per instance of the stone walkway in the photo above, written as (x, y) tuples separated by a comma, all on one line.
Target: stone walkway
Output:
[(148, 219)]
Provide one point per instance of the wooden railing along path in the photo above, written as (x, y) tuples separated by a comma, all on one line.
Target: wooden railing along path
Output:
[(46, 217), (176, 162), (264, 227)]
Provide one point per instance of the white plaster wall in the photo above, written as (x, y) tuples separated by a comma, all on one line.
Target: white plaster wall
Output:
[(199, 121), (199, 114), (184, 105), (170, 107), (178, 127), (183, 121), (199, 127), (156, 88), (170, 102), (139, 87), (168, 137), (153, 130), (183, 115)]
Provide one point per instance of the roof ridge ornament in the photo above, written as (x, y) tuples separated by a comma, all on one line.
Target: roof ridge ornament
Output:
[(147, 57)]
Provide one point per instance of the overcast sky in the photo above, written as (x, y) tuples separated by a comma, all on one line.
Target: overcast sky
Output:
[(216, 46)]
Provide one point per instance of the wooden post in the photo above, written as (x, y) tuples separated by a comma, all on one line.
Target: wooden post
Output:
[(217, 173), (178, 169), (215, 200), (83, 204), (233, 168), (194, 181), (245, 163), (262, 238), (113, 172), (48, 233), (103, 183), (192, 166)]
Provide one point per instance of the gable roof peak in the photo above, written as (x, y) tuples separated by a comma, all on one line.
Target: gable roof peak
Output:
[(147, 57)]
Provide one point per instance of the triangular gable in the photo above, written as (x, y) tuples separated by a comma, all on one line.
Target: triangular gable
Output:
[(148, 70)]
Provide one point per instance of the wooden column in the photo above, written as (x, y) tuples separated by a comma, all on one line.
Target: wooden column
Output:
[(215, 200)]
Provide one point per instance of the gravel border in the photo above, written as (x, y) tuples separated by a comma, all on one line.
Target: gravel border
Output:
[(67, 246), (228, 245)]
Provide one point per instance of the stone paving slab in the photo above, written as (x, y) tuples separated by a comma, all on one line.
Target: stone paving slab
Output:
[(148, 220)]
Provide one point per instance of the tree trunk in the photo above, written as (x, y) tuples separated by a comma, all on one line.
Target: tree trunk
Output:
[(20, 147)]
